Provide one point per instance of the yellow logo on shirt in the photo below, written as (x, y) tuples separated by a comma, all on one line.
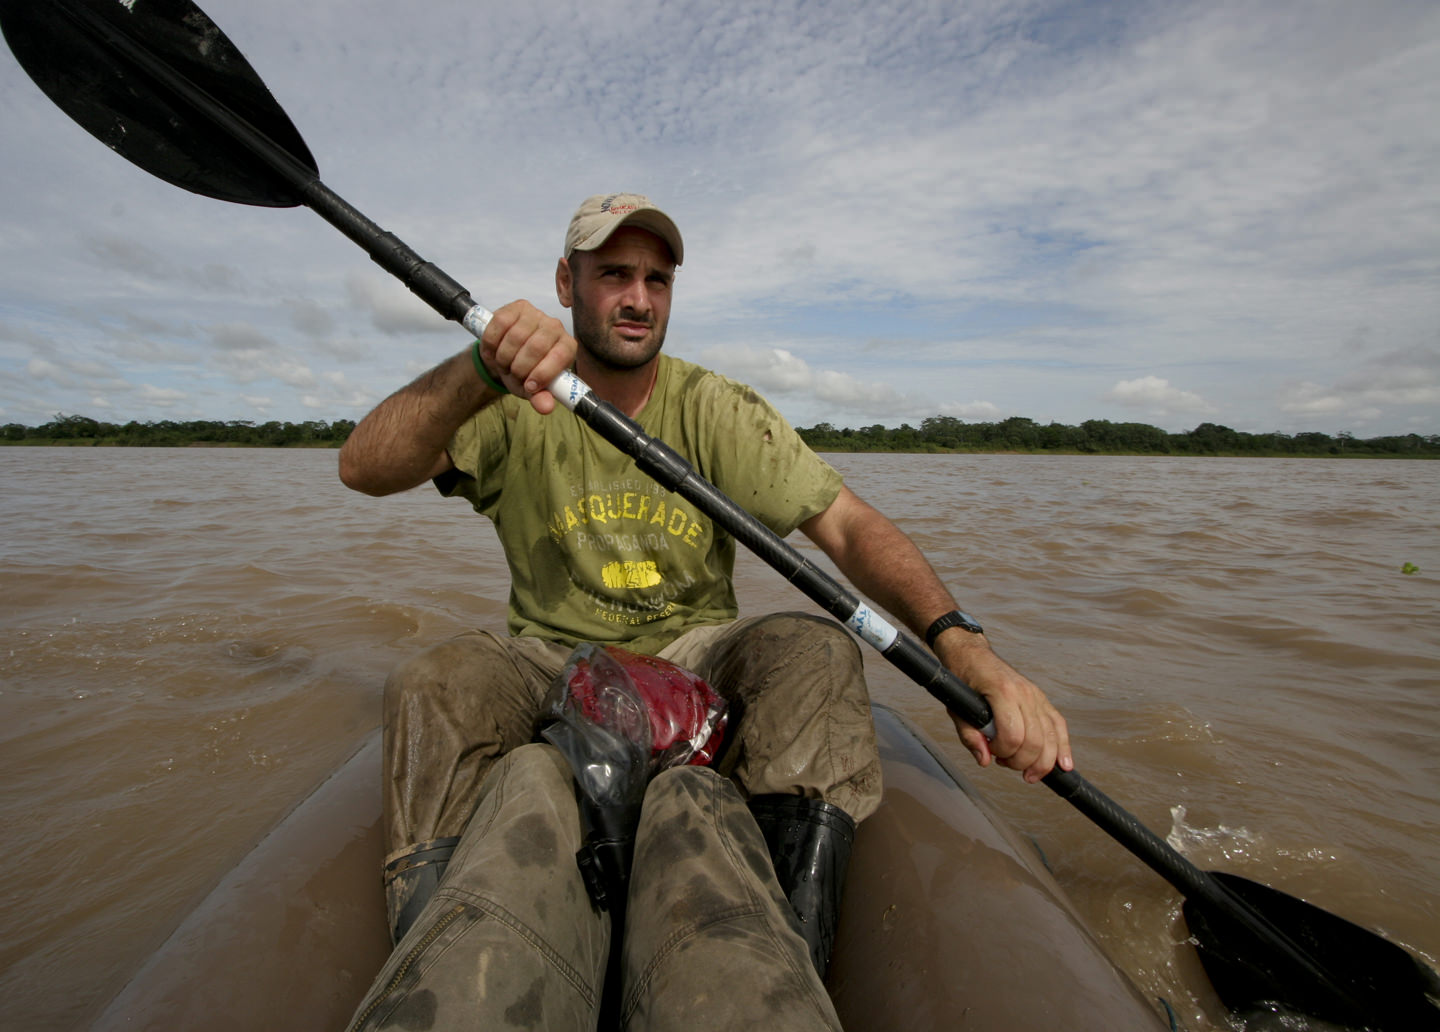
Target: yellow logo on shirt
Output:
[(639, 510), (630, 575)]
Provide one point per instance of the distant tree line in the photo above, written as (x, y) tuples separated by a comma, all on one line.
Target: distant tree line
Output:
[(171, 433), (1102, 437), (935, 434)]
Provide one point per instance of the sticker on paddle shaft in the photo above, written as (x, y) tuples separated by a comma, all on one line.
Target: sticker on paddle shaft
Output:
[(872, 628), (567, 388), (477, 319)]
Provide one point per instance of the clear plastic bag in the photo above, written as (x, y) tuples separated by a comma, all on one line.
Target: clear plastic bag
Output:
[(620, 718)]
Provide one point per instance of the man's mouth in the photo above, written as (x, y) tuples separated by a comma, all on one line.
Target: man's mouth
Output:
[(631, 328)]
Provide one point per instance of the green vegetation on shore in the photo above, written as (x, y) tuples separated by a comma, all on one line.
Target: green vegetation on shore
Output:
[(1102, 437), (935, 434), (169, 433)]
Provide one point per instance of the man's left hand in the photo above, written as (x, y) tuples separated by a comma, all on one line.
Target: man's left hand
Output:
[(1030, 734)]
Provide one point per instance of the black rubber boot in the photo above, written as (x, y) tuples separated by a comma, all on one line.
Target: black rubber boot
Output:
[(809, 842), (605, 860), (411, 879)]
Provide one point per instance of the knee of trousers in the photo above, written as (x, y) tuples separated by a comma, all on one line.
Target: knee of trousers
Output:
[(804, 723), (450, 712), (440, 669), (699, 854), (806, 627), (706, 913), (821, 646), (509, 939)]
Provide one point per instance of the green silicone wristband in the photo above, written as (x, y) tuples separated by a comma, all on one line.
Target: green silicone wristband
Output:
[(485, 373)]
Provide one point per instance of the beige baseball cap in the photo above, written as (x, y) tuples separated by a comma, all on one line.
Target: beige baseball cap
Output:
[(603, 214)]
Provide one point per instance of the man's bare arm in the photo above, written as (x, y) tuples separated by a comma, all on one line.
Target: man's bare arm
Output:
[(884, 564), (402, 443)]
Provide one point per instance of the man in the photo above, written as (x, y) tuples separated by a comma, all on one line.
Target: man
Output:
[(598, 552)]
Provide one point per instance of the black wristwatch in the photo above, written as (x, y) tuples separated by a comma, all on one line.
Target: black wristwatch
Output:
[(954, 618)]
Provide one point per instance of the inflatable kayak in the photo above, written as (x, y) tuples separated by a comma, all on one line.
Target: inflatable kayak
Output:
[(950, 920)]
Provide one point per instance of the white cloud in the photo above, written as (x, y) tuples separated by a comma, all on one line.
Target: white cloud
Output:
[(163, 396), (339, 397), (973, 411), (44, 369), (338, 404), (771, 370), (1155, 395), (868, 396), (249, 366), (77, 373), (1386, 382), (1311, 399), (289, 372), (780, 372), (392, 309)]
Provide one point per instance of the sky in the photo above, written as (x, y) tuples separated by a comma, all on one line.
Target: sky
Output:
[(1158, 212)]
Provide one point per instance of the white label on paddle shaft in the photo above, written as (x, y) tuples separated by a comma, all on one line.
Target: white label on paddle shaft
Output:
[(568, 389), (477, 319), (872, 628)]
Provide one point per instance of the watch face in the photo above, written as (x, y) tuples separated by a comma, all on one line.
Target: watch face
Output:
[(966, 621), (955, 618)]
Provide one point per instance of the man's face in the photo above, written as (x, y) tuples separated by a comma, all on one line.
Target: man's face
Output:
[(619, 296)]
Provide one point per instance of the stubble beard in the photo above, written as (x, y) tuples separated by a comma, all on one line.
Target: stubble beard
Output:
[(615, 353)]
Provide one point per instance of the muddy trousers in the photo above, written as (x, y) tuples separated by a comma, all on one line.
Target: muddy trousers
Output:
[(799, 709), (511, 939)]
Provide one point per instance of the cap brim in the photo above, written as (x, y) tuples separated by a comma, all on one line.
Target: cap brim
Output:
[(652, 220)]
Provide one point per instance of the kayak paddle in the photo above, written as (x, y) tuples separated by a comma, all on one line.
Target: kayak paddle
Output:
[(159, 83)]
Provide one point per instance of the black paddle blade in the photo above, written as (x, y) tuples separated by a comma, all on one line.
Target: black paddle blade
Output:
[(1370, 983), (136, 74)]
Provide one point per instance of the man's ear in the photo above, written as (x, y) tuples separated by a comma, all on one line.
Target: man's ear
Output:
[(564, 283)]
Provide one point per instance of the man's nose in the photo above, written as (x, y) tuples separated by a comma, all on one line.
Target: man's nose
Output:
[(636, 297)]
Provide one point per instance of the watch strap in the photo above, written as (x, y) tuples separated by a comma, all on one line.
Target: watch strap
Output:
[(954, 618)]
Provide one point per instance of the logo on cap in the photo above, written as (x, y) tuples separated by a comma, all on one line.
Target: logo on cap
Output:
[(610, 208)]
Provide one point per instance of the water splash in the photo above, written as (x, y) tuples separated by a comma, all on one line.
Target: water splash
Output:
[(1233, 843)]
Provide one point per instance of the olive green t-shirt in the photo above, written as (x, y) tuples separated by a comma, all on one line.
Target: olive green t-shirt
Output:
[(598, 551)]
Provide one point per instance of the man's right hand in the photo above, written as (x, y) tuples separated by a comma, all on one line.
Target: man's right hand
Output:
[(403, 441), (525, 349)]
